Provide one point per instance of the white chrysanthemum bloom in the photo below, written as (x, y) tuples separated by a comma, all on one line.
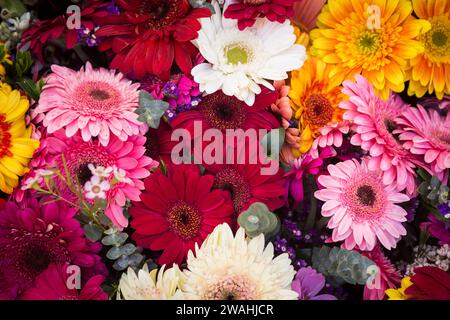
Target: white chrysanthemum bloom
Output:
[(239, 61), (154, 285), (227, 267)]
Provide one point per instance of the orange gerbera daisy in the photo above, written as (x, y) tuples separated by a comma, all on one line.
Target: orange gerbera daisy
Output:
[(375, 38), (431, 69), (315, 99)]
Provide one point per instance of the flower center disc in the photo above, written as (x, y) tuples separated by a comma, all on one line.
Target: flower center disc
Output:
[(319, 110), (437, 40), (231, 180), (231, 288), (184, 219), (237, 54), (223, 112)]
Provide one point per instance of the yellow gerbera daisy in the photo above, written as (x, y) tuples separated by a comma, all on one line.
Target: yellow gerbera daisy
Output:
[(375, 38), (315, 98), (399, 294), (431, 69), (16, 147)]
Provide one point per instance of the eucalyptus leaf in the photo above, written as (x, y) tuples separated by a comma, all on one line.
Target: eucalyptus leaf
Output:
[(92, 232), (150, 110), (114, 253)]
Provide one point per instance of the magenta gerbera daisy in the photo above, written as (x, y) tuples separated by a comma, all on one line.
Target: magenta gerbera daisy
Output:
[(35, 235), (387, 276), (427, 134), (52, 285), (376, 124), (247, 11), (128, 156), (95, 102), (247, 185), (362, 208), (178, 210)]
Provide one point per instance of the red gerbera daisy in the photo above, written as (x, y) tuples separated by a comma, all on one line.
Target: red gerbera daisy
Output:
[(177, 211), (149, 35), (246, 11), (247, 185), (159, 144), (44, 31)]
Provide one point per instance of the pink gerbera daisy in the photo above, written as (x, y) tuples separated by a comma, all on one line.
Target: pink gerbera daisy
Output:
[(177, 211), (96, 103), (427, 134), (375, 126), (128, 156), (52, 285), (34, 235), (247, 11), (362, 208), (386, 278)]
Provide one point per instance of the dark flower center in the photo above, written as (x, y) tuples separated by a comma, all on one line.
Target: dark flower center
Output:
[(84, 174), (390, 125), (99, 95), (366, 195), (162, 13), (223, 112), (184, 219), (319, 110), (231, 180), (37, 258)]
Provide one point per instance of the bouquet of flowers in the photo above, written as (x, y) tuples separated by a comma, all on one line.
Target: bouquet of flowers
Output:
[(237, 149)]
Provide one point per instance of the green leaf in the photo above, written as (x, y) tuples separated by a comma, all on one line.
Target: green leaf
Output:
[(92, 232), (33, 90), (150, 110)]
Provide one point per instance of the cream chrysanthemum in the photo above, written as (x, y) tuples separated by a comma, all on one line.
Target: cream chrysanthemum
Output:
[(239, 61), (153, 285), (235, 268)]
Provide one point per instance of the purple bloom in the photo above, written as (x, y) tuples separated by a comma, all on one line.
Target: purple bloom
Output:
[(308, 283), (437, 229)]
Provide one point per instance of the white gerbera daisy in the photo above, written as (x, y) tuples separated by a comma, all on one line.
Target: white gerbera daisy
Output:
[(154, 285), (239, 61), (228, 267)]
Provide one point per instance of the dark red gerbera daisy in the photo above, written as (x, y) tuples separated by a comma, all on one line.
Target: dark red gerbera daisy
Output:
[(247, 11), (222, 112), (35, 235), (247, 185), (177, 211), (43, 31), (149, 35), (429, 283)]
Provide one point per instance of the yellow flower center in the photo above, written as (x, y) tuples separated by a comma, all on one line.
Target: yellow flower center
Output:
[(368, 42), (437, 40), (238, 54)]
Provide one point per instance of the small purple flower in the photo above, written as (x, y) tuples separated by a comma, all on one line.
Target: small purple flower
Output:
[(308, 283), (171, 89), (444, 208), (113, 8)]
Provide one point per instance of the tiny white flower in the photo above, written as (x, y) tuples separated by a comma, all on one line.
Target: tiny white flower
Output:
[(99, 171), (30, 182), (121, 175), (44, 173), (95, 188)]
